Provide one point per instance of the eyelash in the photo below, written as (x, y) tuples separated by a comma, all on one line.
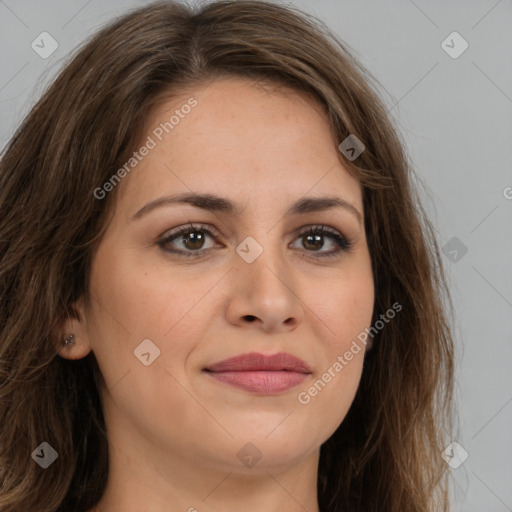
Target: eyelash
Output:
[(344, 245)]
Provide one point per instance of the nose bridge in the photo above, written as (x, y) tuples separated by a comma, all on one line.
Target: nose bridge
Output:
[(262, 292), (261, 252), (263, 266)]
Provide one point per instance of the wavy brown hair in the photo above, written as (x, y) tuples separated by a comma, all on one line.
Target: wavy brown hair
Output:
[(386, 454)]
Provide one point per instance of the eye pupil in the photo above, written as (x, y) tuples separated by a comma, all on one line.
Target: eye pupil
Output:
[(317, 241), (196, 237)]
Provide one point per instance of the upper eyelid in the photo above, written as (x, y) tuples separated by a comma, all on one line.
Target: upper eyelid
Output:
[(214, 231), (190, 226)]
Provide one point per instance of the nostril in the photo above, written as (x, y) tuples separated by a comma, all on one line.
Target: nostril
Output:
[(250, 318)]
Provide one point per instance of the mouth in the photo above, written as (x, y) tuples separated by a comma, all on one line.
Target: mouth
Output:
[(260, 373)]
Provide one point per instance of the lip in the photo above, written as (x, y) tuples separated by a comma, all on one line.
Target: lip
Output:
[(260, 373)]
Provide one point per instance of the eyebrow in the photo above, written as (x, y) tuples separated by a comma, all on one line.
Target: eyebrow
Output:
[(214, 203)]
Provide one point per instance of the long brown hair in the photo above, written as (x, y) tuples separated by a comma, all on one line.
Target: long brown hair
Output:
[(386, 454)]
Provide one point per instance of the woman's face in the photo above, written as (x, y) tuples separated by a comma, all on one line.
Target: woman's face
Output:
[(245, 279)]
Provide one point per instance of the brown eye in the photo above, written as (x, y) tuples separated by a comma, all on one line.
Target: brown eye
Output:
[(187, 240), (193, 240), (313, 240)]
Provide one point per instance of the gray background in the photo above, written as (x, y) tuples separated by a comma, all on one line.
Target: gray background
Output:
[(455, 115)]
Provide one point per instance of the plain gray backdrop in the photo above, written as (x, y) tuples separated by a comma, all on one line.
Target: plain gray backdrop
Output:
[(453, 107)]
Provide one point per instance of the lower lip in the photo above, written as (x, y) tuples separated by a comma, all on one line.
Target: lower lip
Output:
[(261, 382)]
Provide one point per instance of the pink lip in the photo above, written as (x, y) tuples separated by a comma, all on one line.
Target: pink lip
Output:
[(260, 373)]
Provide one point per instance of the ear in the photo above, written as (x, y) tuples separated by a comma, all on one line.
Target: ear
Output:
[(73, 323)]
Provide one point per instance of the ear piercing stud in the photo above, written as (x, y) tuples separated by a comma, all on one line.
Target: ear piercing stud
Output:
[(70, 340)]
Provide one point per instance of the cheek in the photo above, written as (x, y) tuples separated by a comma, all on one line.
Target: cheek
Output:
[(133, 304), (345, 315), (351, 316), (327, 400), (136, 301), (344, 304), (345, 312), (147, 301)]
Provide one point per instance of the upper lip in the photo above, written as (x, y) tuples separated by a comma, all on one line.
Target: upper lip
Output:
[(254, 361)]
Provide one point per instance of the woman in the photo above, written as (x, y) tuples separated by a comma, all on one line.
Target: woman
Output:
[(219, 290)]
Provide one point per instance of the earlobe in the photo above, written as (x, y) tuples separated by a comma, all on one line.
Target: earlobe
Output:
[(72, 337)]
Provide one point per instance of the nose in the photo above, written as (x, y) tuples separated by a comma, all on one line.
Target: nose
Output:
[(264, 294)]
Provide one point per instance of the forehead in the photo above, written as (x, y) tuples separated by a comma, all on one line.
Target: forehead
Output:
[(236, 137)]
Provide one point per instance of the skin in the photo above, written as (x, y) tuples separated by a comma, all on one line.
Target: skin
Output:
[(174, 431)]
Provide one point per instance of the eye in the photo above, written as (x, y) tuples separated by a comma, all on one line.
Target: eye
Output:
[(192, 240), (191, 237), (312, 239)]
